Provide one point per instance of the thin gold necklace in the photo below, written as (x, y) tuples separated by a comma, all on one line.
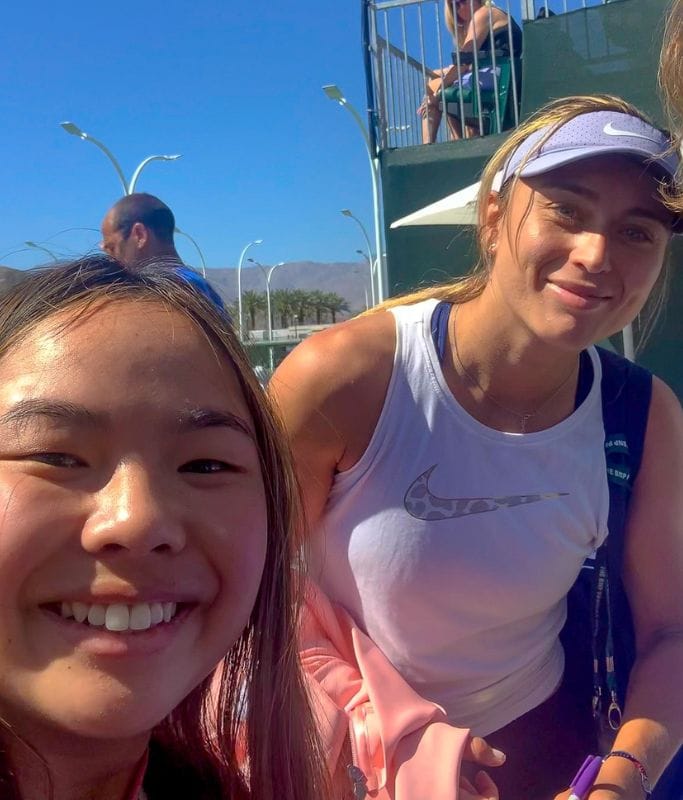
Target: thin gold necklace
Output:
[(523, 418)]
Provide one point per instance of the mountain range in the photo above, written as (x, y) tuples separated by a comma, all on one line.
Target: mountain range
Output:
[(351, 280)]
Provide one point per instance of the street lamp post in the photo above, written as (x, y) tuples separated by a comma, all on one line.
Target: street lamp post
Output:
[(348, 213), (197, 248), (268, 273), (143, 164), (239, 284), (333, 92), (128, 186), (365, 289)]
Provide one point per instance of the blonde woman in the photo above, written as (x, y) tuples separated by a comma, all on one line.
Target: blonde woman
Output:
[(453, 454), (474, 25)]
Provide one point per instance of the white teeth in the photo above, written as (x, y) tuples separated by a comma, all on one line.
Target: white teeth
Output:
[(80, 611), (116, 617), (140, 617), (96, 615), (169, 611), (157, 612), (119, 617)]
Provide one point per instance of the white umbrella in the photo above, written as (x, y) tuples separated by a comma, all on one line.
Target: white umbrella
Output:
[(459, 208)]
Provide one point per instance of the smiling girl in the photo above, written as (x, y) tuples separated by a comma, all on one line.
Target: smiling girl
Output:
[(148, 525), (453, 451)]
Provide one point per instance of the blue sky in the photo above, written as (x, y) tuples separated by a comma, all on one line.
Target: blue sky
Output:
[(233, 86)]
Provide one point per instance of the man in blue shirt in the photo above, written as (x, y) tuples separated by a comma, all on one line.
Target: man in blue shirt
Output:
[(139, 228)]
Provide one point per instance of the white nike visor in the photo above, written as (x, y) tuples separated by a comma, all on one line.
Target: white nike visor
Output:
[(595, 133)]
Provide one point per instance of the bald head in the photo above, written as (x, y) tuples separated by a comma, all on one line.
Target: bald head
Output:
[(139, 228)]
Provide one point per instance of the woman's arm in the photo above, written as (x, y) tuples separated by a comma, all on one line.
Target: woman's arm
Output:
[(653, 574)]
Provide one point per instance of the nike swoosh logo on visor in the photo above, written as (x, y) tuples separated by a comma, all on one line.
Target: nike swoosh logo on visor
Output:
[(610, 130), (420, 503)]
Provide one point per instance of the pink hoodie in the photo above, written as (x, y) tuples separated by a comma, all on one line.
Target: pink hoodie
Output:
[(404, 745)]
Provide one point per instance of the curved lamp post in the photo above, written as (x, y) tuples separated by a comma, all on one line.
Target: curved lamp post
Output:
[(197, 248), (357, 272), (347, 213), (268, 273), (128, 186), (143, 164), (333, 92), (239, 283)]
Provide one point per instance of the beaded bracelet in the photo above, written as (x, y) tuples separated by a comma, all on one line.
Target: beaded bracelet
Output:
[(644, 780)]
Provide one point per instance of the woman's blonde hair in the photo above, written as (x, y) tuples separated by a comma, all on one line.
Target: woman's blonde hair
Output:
[(457, 28), (671, 81), (553, 115), (258, 742)]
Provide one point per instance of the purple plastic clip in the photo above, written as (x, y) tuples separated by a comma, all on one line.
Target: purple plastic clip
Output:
[(585, 778)]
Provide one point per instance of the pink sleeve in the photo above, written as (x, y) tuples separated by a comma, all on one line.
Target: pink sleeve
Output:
[(402, 743)]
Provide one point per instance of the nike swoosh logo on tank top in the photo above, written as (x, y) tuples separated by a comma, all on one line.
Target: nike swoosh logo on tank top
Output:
[(422, 504)]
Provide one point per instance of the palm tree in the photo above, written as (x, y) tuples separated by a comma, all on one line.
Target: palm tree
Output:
[(252, 303), (335, 304), (301, 300), (283, 305), (318, 304)]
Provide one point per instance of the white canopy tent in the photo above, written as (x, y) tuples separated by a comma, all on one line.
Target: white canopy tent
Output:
[(459, 208)]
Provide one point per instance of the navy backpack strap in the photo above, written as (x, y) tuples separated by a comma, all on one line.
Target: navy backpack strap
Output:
[(626, 394), (627, 390), (439, 328), (598, 635)]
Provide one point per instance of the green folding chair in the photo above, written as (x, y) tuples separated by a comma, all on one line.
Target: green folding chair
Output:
[(491, 111)]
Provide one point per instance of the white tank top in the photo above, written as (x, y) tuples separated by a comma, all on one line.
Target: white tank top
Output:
[(454, 545)]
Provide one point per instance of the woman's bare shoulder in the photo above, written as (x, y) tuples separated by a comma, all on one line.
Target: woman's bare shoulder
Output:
[(330, 391), (360, 350)]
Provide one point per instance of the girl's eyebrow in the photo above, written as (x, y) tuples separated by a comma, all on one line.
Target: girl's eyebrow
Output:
[(29, 409), (199, 418), (662, 217), (574, 188)]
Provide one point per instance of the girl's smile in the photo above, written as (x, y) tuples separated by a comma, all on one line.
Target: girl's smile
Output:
[(133, 520)]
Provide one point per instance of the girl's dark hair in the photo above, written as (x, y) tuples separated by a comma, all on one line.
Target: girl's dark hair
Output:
[(258, 741)]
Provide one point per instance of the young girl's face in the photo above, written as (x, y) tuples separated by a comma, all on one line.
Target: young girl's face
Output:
[(132, 520)]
